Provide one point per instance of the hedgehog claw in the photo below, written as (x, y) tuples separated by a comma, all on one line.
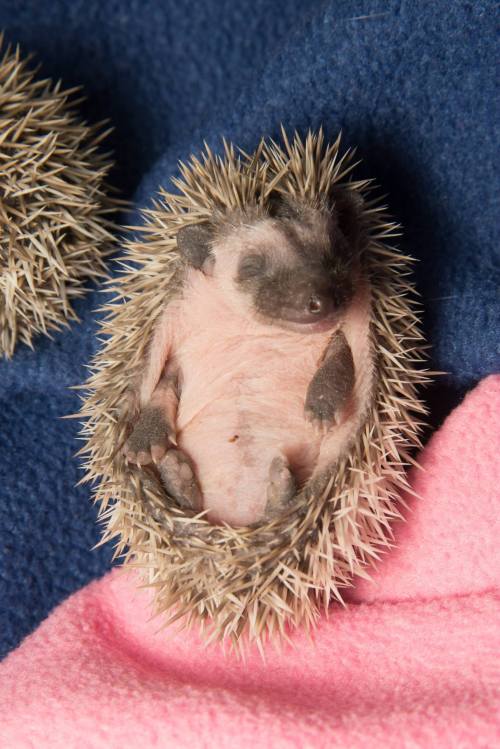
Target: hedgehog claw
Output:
[(321, 424)]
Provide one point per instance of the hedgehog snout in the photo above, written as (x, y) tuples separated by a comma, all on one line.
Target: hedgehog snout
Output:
[(311, 303)]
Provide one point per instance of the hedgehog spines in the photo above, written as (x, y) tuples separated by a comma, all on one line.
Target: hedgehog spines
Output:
[(56, 212), (261, 579)]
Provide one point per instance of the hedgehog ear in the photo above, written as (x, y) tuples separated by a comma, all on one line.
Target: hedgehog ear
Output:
[(346, 209), (194, 244), (279, 207)]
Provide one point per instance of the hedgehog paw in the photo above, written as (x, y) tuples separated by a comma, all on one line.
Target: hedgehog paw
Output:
[(149, 439), (178, 476), (281, 488), (322, 415)]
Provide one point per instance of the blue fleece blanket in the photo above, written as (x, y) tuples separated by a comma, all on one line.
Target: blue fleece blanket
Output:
[(411, 84)]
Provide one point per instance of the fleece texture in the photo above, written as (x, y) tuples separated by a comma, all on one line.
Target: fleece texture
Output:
[(412, 661), (411, 84)]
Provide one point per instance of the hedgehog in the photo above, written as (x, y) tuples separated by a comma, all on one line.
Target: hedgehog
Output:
[(261, 369), (250, 418), (56, 212)]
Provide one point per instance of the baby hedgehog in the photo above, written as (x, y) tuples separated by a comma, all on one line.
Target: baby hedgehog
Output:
[(259, 372), (268, 329)]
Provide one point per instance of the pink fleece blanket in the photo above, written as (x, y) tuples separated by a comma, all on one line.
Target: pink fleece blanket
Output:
[(413, 661)]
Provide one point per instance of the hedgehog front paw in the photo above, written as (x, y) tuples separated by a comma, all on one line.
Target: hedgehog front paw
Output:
[(150, 437), (178, 476)]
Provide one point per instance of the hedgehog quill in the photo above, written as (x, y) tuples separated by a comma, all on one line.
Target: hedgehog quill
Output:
[(251, 416)]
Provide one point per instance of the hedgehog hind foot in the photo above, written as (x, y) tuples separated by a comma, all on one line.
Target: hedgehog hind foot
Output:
[(179, 479), (281, 487)]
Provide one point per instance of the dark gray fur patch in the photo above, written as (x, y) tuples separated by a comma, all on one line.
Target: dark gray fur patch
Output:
[(321, 262), (333, 382), (151, 428), (347, 209), (287, 288), (251, 266), (194, 243)]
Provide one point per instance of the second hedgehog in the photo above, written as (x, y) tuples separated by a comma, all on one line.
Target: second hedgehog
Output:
[(259, 373)]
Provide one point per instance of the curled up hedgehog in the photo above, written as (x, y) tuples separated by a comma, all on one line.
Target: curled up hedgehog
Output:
[(253, 410), (57, 213)]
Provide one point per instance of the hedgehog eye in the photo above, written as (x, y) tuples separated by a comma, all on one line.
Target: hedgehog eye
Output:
[(251, 266), (315, 305)]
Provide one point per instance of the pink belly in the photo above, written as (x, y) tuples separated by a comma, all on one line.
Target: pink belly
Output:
[(242, 404)]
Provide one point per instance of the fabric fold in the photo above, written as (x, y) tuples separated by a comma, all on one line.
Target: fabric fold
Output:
[(415, 664)]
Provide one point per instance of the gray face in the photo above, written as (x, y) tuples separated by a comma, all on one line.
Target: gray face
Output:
[(304, 272), (311, 280)]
